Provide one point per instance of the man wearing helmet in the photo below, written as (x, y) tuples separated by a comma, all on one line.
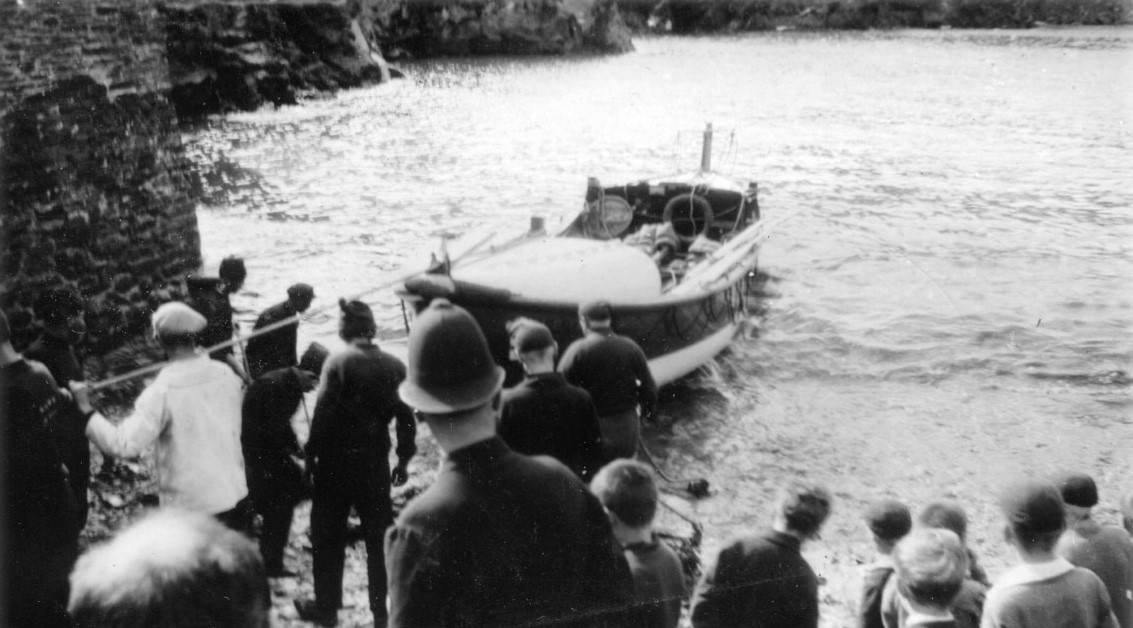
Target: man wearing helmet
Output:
[(500, 539)]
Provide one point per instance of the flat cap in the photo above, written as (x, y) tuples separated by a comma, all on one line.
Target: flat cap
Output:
[(889, 519), (301, 291), (532, 336), (175, 318), (596, 310), (1034, 506), (1078, 489)]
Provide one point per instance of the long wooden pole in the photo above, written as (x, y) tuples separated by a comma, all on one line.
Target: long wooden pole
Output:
[(156, 366)]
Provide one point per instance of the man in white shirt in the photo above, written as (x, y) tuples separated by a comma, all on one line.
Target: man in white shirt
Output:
[(191, 412)]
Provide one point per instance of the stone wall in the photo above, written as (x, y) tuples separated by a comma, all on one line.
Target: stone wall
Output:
[(95, 188)]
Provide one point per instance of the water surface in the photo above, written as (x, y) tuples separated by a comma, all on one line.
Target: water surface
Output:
[(954, 281)]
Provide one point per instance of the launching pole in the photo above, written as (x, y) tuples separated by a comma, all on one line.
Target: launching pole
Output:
[(706, 151)]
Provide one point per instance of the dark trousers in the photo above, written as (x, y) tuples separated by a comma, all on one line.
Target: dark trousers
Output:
[(275, 484), (361, 482), (620, 431), (77, 458), (276, 529)]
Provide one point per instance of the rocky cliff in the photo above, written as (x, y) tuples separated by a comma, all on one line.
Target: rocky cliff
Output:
[(225, 57), (712, 16)]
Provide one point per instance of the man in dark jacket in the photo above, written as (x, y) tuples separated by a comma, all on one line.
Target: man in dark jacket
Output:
[(211, 297), (40, 540), (271, 451), (276, 349), (61, 312), (613, 369), (500, 539), (544, 414), (348, 454), (762, 580)]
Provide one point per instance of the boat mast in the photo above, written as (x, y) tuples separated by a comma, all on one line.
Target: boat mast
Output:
[(706, 151)]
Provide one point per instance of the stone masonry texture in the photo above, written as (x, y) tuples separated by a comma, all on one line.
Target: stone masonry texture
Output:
[(96, 192)]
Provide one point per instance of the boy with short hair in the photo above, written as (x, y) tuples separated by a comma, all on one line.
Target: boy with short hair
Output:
[(930, 564), (1043, 590), (762, 579), (951, 516), (888, 521), (967, 606), (629, 494)]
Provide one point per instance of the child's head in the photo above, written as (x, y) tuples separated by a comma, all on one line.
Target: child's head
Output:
[(945, 515), (889, 520), (802, 508), (1035, 516), (930, 564), (627, 490)]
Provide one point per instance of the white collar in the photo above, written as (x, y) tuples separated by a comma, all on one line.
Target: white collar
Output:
[(918, 618), (1027, 573)]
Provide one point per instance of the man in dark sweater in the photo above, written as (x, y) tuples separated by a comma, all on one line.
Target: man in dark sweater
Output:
[(271, 451), (348, 455), (211, 297), (614, 370), (276, 349), (40, 540), (762, 580), (500, 539), (61, 312), (1105, 550), (544, 414)]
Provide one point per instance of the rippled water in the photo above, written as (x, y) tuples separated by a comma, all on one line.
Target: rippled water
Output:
[(959, 246)]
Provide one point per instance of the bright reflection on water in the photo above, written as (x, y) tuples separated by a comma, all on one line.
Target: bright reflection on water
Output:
[(959, 248)]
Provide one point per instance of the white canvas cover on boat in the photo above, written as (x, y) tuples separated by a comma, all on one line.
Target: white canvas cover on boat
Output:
[(568, 269)]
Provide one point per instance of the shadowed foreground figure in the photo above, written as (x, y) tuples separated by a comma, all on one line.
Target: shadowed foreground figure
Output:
[(172, 569), (763, 580), (61, 312), (500, 539), (40, 539)]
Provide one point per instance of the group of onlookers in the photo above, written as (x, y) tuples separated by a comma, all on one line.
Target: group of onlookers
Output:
[(539, 515), (1072, 571)]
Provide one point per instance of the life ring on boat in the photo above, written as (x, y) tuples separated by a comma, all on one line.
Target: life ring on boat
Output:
[(690, 215), (609, 216)]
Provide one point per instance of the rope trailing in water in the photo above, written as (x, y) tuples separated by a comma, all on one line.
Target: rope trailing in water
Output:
[(697, 487), (156, 366)]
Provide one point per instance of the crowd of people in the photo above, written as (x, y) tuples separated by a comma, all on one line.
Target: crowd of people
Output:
[(539, 515)]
